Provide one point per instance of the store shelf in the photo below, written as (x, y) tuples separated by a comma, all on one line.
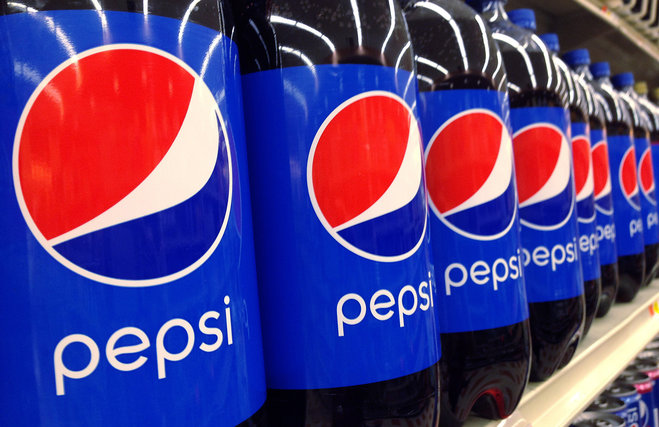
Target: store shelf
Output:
[(590, 24), (611, 344)]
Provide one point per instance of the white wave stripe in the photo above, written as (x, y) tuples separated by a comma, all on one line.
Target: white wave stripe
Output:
[(183, 171), (498, 180), (558, 179), (589, 186), (404, 187)]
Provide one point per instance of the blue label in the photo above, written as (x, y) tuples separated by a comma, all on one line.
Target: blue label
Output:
[(585, 186), (632, 411), (130, 294), (647, 408), (474, 219), (545, 182), (626, 201), (647, 191), (606, 229), (344, 262)]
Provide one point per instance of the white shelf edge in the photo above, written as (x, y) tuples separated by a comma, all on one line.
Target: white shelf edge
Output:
[(612, 18), (610, 345)]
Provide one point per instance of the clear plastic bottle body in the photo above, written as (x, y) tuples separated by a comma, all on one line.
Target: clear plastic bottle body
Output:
[(484, 368), (534, 87), (302, 63)]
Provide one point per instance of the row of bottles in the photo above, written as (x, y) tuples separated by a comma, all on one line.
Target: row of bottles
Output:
[(440, 206)]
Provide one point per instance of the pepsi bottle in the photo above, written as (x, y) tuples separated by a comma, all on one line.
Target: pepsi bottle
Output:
[(598, 112), (341, 222), (626, 200), (624, 83), (653, 113), (543, 166), (579, 105), (474, 215), (128, 291)]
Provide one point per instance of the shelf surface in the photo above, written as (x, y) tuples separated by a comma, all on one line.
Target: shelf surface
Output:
[(612, 342)]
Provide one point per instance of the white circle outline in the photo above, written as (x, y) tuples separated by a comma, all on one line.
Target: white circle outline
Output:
[(638, 186), (312, 194), (434, 209), (647, 152), (607, 212), (32, 225), (571, 180)]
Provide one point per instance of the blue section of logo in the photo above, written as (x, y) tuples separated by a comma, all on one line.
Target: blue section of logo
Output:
[(200, 218), (587, 225), (196, 357), (481, 283), (396, 243), (551, 256), (353, 316), (628, 220), (606, 236), (648, 199)]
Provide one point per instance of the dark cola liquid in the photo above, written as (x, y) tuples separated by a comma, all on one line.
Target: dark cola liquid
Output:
[(409, 400), (631, 273), (555, 328), (610, 280), (484, 371), (651, 253), (592, 296)]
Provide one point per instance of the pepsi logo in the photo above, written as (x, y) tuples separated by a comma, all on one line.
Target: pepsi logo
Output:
[(122, 166), (646, 176), (628, 178), (365, 177), (583, 177), (469, 175), (602, 178), (543, 168)]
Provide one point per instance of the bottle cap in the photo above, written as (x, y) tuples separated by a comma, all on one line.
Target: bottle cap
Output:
[(641, 88), (524, 18), (551, 40), (577, 57), (622, 80), (479, 5), (600, 69)]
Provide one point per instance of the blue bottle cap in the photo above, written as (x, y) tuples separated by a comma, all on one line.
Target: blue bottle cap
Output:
[(480, 5), (525, 18), (600, 69), (551, 40), (622, 80), (577, 57)]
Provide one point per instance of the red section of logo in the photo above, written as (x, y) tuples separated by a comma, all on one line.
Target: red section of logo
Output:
[(581, 160), (536, 157), (628, 178), (66, 184), (600, 168), (470, 142), (351, 149), (646, 173)]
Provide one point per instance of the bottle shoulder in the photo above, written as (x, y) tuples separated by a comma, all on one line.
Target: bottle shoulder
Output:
[(453, 47), (282, 33)]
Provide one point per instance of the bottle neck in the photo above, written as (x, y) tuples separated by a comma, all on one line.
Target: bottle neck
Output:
[(629, 90), (583, 71), (494, 10), (603, 80)]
